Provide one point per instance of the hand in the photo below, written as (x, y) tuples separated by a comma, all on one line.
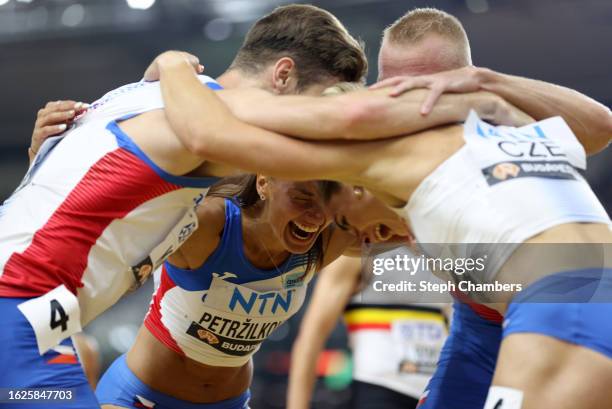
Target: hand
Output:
[(461, 80), (52, 120), (498, 111), (171, 58)]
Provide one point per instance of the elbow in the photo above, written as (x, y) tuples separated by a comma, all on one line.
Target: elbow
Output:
[(198, 143), (605, 121), (600, 131), (201, 140)]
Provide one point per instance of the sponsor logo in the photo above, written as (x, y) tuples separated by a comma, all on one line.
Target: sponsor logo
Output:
[(207, 336), (141, 272), (224, 276), (294, 280), (233, 337), (265, 302), (502, 171)]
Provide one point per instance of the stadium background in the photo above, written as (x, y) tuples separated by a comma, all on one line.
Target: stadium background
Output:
[(79, 49)]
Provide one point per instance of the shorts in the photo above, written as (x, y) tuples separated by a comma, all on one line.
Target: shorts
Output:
[(584, 320), (23, 366), (467, 362), (119, 386)]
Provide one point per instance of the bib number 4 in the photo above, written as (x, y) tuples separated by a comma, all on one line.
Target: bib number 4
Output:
[(59, 318), (53, 316)]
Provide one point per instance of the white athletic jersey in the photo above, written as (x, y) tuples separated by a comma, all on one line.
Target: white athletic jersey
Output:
[(219, 313), (92, 218), (504, 186), (395, 340)]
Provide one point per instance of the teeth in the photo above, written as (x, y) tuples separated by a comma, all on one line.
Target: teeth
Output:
[(294, 234), (307, 229)]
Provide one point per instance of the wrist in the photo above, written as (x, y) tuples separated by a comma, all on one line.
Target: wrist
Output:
[(486, 78)]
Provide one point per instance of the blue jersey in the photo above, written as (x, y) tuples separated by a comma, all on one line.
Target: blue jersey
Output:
[(219, 313)]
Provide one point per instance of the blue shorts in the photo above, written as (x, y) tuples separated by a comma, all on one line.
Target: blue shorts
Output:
[(24, 367), (119, 386), (583, 320), (467, 362)]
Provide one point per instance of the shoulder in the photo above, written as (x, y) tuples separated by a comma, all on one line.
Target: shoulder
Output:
[(203, 242), (211, 215)]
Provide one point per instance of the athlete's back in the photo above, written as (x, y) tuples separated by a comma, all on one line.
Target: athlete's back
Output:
[(93, 216)]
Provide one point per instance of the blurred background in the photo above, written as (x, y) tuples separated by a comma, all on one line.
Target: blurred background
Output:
[(79, 49)]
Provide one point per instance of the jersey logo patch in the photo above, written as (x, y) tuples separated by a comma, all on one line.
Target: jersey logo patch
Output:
[(141, 272), (224, 275)]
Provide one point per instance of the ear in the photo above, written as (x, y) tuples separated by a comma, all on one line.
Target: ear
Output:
[(262, 185), (284, 76)]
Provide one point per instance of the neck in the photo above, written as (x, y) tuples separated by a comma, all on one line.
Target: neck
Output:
[(234, 78), (261, 247)]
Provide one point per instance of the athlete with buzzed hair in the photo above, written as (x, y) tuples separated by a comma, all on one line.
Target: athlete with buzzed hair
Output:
[(444, 177)]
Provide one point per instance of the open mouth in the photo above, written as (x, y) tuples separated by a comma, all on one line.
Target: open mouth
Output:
[(301, 231), (382, 232)]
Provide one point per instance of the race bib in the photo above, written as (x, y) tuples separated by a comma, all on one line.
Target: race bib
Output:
[(545, 149), (418, 343), (53, 317), (235, 319)]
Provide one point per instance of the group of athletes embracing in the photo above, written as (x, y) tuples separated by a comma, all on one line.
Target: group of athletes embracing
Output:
[(155, 175)]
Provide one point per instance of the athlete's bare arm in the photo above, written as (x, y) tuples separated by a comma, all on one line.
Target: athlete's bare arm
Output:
[(332, 292), (208, 130), (203, 242), (359, 115), (588, 119)]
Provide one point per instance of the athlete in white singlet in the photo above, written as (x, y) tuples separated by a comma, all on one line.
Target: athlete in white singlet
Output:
[(452, 173)]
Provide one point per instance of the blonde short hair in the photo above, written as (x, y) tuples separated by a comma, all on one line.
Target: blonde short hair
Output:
[(342, 88), (417, 23)]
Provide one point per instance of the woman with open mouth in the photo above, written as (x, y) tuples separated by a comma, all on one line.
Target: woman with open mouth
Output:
[(230, 285)]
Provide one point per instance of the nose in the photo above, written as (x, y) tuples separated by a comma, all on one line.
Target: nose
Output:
[(316, 215), (367, 236)]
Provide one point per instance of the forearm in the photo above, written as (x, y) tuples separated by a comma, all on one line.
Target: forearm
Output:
[(332, 292), (303, 372), (195, 114), (361, 115), (588, 119)]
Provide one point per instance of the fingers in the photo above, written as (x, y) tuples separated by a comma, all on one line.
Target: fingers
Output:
[(411, 83), (194, 62), (57, 112), (58, 105), (44, 132), (152, 73), (431, 100), (54, 119)]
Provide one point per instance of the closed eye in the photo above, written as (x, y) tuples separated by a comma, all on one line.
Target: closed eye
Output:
[(342, 223)]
